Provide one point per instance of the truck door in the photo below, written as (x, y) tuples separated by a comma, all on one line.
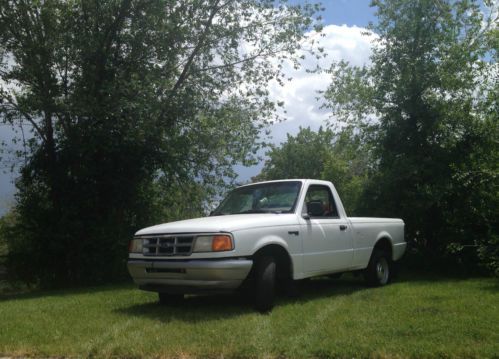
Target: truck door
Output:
[(327, 238)]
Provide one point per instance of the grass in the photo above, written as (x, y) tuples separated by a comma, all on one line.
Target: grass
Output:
[(414, 317)]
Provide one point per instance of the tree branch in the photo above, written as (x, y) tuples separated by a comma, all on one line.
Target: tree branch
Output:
[(261, 53), (194, 53), (27, 117)]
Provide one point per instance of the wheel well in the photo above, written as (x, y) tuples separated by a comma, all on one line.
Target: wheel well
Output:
[(283, 260), (385, 245)]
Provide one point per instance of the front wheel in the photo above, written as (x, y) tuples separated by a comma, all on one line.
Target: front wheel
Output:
[(378, 271), (265, 278)]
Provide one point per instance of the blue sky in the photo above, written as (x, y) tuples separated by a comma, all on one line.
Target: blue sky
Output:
[(348, 12), (344, 20)]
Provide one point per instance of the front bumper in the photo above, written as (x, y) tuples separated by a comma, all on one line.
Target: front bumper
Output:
[(189, 276)]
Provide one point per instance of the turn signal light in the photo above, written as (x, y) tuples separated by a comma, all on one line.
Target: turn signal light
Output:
[(221, 243), (135, 245)]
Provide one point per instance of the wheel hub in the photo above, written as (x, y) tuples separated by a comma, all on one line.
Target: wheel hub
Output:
[(382, 271)]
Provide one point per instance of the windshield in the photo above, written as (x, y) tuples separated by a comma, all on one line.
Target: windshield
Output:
[(275, 197)]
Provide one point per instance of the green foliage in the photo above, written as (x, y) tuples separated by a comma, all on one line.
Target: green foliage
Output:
[(130, 104), (428, 105), (340, 157), (5, 222), (347, 165), (180, 201), (301, 156)]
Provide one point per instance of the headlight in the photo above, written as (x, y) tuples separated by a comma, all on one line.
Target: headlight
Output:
[(214, 243), (135, 245)]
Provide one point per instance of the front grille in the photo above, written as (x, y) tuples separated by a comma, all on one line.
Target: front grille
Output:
[(168, 245)]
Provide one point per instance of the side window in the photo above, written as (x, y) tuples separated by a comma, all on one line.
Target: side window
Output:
[(319, 202)]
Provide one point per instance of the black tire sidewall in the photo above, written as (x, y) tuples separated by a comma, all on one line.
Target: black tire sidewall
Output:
[(265, 283)]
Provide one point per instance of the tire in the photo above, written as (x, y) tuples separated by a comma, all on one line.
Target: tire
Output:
[(170, 299), (265, 281), (379, 269)]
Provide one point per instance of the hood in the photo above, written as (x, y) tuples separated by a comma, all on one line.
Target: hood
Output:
[(227, 223)]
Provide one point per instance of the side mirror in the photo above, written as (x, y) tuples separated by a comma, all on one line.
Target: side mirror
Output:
[(306, 216)]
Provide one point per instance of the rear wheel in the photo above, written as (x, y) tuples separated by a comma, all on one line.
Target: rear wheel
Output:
[(378, 271), (265, 278), (170, 299)]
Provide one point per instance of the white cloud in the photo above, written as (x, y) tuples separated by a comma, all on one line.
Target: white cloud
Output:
[(302, 109), (300, 94)]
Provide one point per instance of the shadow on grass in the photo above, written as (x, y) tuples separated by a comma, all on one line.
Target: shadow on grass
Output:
[(215, 307), (492, 287), (21, 292), (192, 309), (425, 278)]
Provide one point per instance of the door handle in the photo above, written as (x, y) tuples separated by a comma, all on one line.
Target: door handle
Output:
[(295, 233), (343, 227)]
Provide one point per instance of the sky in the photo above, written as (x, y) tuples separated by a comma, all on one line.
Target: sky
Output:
[(348, 12), (344, 22)]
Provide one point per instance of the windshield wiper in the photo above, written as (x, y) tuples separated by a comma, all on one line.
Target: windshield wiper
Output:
[(257, 211), (251, 211)]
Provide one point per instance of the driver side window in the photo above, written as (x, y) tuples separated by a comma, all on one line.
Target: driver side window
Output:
[(319, 202)]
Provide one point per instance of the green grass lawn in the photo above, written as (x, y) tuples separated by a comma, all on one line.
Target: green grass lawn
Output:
[(414, 317)]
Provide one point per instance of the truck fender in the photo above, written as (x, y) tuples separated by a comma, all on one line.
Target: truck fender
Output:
[(385, 237), (384, 234), (272, 239), (284, 260)]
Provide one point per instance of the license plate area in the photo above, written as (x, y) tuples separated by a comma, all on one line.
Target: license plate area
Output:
[(166, 270)]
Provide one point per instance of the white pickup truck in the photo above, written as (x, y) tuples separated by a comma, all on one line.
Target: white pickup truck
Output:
[(264, 234)]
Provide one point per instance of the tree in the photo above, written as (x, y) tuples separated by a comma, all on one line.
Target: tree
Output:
[(129, 101), (301, 156), (347, 165), (421, 104), (337, 157)]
